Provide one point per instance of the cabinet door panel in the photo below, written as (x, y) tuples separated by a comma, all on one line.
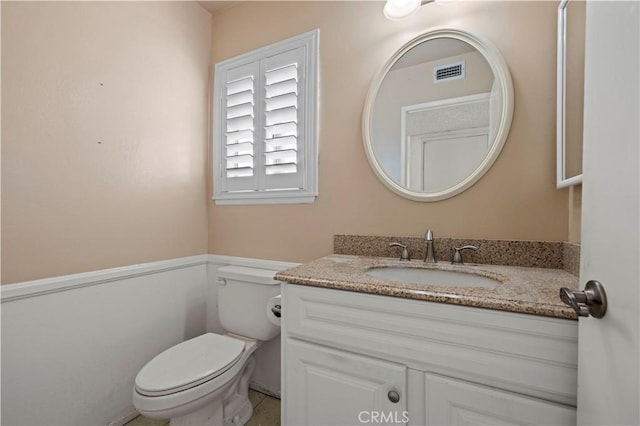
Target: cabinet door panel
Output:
[(331, 387), (455, 402)]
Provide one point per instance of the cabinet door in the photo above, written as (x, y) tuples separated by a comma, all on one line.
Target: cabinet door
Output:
[(454, 402), (331, 387)]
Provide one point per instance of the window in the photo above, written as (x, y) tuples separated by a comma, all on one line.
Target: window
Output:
[(265, 136)]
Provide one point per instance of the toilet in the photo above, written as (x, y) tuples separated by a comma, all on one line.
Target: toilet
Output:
[(205, 380)]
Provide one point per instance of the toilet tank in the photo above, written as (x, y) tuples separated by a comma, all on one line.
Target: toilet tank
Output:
[(243, 296)]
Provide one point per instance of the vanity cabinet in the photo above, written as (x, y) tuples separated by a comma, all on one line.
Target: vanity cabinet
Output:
[(352, 358)]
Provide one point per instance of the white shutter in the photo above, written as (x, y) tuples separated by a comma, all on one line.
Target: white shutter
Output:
[(265, 124), (283, 139), (240, 120)]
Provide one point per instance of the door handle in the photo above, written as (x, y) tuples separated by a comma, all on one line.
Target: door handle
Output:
[(591, 301)]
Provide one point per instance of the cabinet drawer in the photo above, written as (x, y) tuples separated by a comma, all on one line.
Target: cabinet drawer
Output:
[(528, 354), (454, 402)]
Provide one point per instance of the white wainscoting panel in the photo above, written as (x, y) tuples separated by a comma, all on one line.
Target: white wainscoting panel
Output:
[(72, 345)]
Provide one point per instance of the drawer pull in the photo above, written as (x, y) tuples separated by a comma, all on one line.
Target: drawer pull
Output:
[(393, 396)]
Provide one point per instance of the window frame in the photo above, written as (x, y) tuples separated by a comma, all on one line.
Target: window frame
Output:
[(309, 137)]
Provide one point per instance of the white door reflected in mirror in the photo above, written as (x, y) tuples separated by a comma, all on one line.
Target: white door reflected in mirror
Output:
[(438, 114)]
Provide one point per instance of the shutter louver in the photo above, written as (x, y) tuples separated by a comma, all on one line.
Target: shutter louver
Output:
[(239, 126), (283, 120), (281, 109)]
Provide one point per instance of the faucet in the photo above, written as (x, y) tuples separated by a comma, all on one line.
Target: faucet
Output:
[(405, 253), (457, 256), (430, 256)]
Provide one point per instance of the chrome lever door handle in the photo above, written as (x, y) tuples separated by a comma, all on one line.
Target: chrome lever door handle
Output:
[(570, 298), (590, 302)]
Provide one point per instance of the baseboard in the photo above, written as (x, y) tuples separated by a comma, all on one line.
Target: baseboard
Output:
[(263, 389), (124, 420)]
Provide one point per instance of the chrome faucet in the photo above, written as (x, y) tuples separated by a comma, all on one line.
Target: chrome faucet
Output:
[(405, 252), (457, 256), (430, 256)]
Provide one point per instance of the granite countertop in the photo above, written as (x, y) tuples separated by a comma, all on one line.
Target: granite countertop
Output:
[(520, 289)]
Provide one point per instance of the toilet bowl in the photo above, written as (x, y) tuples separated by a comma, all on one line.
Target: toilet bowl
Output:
[(205, 380)]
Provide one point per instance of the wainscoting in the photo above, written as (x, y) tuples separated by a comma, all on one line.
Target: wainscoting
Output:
[(72, 345)]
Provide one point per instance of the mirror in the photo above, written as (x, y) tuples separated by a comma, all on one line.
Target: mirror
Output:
[(438, 114), (570, 97)]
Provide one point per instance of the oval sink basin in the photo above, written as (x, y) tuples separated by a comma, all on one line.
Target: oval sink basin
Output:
[(433, 277)]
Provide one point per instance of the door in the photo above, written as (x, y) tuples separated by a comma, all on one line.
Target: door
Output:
[(453, 402), (609, 358), (332, 387)]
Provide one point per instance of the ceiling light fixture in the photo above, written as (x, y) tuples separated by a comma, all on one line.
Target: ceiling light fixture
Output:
[(398, 9)]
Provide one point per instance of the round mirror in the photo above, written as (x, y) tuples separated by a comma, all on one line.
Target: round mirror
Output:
[(437, 115)]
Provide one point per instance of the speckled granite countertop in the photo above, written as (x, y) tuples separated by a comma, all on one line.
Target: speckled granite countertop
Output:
[(520, 289)]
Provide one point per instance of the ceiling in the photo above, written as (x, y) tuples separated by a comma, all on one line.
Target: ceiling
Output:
[(218, 5)]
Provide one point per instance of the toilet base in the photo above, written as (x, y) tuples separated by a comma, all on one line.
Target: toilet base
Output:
[(209, 415), (240, 416), (232, 408)]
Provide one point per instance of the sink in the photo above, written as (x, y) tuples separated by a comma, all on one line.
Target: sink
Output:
[(433, 277)]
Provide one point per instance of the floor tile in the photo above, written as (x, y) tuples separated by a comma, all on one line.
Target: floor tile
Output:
[(144, 421), (267, 413), (256, 397)]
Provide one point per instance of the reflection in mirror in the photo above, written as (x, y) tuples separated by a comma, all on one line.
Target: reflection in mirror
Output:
[(432, 119), (438, 115), (571, 30)]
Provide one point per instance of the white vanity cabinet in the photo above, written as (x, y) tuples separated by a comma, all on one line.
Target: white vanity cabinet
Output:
[(352, 358)]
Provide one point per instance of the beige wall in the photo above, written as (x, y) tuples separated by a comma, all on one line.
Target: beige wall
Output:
[(574, 86), (95, 176), (575, 214), (104, 137), (516, 199)]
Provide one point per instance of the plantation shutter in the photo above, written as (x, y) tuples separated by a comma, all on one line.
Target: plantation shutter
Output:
[(284, 120), (265, 114), (240, 122)]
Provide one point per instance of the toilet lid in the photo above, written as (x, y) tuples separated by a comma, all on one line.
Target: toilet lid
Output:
[(189, 364)]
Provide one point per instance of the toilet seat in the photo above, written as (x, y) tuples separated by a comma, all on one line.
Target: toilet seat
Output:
[(189, 364)]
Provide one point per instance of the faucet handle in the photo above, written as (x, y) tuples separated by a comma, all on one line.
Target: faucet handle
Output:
[(428, 236), (405, 252), (457, 256)]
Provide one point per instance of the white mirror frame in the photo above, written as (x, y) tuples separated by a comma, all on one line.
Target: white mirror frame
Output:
[(502, 77), (562, 181)]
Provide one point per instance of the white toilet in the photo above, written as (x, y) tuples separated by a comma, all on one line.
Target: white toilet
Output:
[(205, 380)]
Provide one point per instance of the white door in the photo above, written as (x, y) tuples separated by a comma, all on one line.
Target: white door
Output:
[(609, 357), (331, 387), (453, 402)]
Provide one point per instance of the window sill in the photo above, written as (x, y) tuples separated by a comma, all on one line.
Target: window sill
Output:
[(262, 198)]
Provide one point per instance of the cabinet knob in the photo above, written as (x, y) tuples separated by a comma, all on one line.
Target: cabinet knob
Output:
[(393, 396)]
